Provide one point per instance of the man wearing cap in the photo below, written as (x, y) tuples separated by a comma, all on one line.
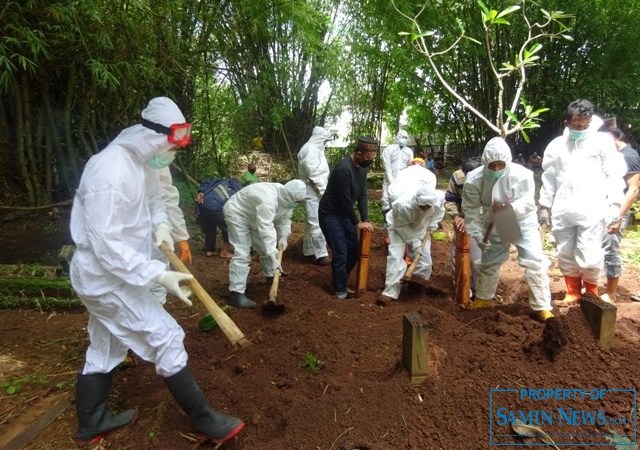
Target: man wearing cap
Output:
[(118, 215), (347, 185)]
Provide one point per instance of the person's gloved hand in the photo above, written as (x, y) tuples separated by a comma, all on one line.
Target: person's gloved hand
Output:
[(163, 234), (282, 243), (185, 252), (414, 246), (613, 214), (171, 282), (543, 216), (276, 264)]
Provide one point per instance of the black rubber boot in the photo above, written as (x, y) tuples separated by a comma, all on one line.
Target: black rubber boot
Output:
[(204, 419), (240, 300), (94, 420)]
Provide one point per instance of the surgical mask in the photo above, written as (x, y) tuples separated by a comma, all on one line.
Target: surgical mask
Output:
[(403, 141), (496, 174), (291, 206), (577, 135), (162, 160)]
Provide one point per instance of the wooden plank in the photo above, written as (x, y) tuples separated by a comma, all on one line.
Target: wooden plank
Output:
[(34, 420), (602, 318), (362, 275), (463, 268), (415, 356)]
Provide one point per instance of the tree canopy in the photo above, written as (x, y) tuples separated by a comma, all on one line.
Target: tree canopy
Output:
[(74, 73)]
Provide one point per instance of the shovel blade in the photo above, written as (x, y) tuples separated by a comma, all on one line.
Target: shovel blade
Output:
[(271, 307)]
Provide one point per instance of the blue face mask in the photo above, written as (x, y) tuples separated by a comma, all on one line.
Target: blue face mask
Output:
[(577, 135), (162, 160), (496, 174), (291, 206)]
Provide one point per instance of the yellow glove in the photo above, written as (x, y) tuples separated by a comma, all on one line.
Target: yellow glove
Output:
[(185, 252)]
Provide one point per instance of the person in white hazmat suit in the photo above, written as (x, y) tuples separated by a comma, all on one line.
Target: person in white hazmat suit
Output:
[(582, 190), (313, 169), (259, 216), (494, 185), (395, 157), (118, 216), (413, 215)]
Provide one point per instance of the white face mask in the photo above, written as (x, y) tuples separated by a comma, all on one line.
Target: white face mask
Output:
[(403, 141), (162, 160)]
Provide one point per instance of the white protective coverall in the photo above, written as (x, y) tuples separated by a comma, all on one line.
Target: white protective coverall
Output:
[(116, 209), (313, 169), (409, 179), (259, 215), (516, 187), (408, 225), (171, 198), (395, 157), (583, 184)]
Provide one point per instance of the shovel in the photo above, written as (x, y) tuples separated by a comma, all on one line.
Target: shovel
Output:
[(270, 306), (228, 327)]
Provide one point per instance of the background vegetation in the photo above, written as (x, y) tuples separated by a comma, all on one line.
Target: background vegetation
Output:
[(74, 73)]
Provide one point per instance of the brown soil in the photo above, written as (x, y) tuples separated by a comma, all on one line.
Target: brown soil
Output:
[(359, 396)]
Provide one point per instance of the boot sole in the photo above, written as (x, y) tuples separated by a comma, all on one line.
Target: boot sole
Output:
[(202, 438), (99, 438)]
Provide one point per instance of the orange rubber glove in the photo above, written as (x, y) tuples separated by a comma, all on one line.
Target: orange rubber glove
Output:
[(185, 252)]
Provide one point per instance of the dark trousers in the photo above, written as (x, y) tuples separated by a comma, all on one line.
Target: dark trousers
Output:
[(210, 221), (342, 238)]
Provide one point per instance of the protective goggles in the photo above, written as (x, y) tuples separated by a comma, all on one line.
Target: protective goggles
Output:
[(178, 134)]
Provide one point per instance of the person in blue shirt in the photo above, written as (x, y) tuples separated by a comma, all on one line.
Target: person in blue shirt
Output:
[(211, 198)]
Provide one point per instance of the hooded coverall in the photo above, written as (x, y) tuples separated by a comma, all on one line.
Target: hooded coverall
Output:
[(515, 187), (394, 158), (408, 225), (259, 215), (313, 169), (583, 184), (117, 206)]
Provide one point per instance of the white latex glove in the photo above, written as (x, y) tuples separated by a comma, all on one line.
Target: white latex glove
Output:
[(282, 243), (171, 282), (276, 264), (613, 213), (163, 234)]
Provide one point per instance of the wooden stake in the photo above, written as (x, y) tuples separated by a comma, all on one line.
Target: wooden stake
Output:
[(363, 262), (462, 268)]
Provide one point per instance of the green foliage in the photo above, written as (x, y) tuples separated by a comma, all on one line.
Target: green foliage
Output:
[(12, 385), (299, 214), (312, 363)]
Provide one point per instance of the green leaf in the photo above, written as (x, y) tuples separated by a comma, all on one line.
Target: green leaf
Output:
[(525, 136), (501, 22), (512, 116), (508, 10), (485, 10)]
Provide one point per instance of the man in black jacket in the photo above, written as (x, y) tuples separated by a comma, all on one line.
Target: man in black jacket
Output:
[(338, 221)]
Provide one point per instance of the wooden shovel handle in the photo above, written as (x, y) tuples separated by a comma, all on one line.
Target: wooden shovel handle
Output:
[(409, 273), (228, 327), (273, 292)]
